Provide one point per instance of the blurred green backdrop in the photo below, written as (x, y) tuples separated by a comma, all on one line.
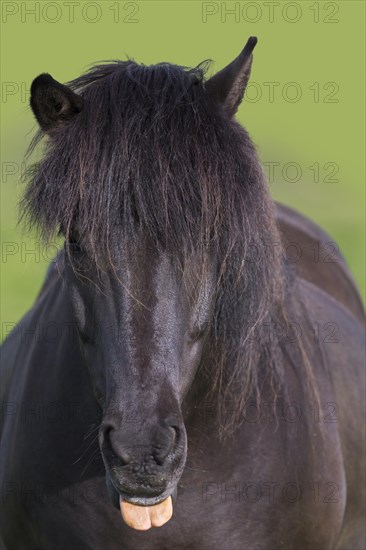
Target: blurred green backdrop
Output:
[(304, 108)]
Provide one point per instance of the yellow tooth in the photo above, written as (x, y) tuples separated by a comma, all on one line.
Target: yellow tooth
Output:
[(161, 513), (144, 517), (136, 517)]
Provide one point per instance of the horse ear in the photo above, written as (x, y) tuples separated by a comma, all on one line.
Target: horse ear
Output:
[(228, 85), (53, 103)]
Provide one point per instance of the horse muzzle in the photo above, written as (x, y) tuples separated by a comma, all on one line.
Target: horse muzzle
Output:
[(141, 477)]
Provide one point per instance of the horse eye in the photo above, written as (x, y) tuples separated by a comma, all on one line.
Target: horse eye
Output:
[(74, 246)]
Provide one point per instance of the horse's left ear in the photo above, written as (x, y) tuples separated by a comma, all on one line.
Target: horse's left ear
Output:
[(228, 85), (53, 103)]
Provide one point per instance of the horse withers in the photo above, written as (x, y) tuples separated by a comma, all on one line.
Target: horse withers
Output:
[(197, 381)]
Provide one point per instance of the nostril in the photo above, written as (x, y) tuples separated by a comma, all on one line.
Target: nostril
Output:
[(110, 440), (175, 435), (104, 433), (165, 444), (124, 453)]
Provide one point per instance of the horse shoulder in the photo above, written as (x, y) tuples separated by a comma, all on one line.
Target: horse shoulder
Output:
[(341, 410), (318, 258)]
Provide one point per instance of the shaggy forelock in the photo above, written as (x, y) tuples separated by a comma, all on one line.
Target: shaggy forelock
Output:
[(148, 149)]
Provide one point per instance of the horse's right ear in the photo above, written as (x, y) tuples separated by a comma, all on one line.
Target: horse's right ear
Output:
[(53, 104)]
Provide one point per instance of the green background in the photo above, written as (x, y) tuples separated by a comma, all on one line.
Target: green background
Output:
[(319, 46)]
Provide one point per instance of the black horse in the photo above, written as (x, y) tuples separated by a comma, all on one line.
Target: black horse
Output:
[(177, 356)]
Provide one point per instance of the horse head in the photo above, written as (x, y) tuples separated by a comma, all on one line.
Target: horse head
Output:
[(158, 193)]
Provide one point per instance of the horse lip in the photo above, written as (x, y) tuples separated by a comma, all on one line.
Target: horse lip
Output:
[(116, 493), (142, 501)]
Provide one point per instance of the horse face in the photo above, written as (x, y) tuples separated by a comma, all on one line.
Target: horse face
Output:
[(150, 150), (142, 326)]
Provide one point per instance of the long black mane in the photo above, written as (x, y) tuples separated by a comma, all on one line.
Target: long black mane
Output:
[(151, 150)]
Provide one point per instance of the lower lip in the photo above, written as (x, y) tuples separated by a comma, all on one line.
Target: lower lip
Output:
[(142, 501)]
